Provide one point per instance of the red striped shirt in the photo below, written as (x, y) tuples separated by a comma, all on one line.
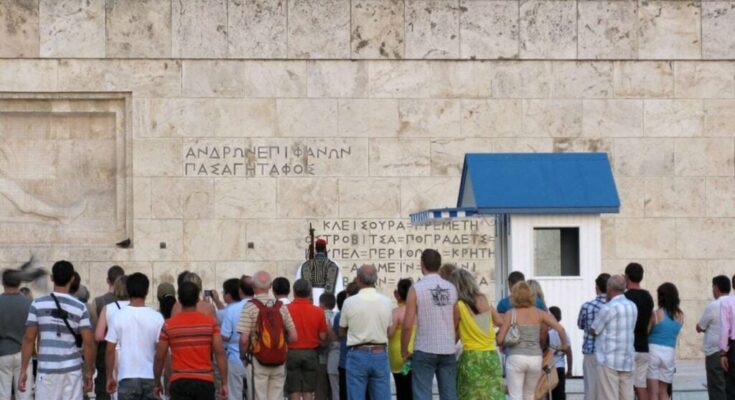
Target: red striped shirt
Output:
[(189, 334)]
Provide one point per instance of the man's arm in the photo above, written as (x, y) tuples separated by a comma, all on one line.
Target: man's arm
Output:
[(219, 354), (244, 343), (582, 318), (293, 335), (158, 363), (29, 340), (89, 350), (725, 323), (110, 365), (409, 320), (707, 317), (568, 352)]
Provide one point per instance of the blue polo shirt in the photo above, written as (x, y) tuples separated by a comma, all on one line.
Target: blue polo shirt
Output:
[(231, 316), (504, 305)]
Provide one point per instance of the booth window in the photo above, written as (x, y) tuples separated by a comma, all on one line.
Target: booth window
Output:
[(556, 251)]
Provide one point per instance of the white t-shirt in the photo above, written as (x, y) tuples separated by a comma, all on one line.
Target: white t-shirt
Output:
[(135, 330), (112, 309), (710, 323)]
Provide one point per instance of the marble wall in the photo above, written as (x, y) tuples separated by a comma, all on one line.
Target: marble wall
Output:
[(244, 121)]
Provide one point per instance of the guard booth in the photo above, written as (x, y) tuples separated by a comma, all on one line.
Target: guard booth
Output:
[(547, 209)]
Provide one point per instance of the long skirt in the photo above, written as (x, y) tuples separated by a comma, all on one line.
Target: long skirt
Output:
[(479, 376)]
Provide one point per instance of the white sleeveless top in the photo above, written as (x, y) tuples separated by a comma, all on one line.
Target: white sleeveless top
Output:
[(436, 299)]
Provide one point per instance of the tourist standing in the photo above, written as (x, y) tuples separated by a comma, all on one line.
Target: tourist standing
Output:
[(365, 320), (644, 303), (311, 327), (268, 380), (614, 343), (401, 379), (664, 329), (328, 378), (505, 304), (237, 373), (342, 364), (587, 315), (281, 290), (100, 386), (120, 291), (63, 324), (710, 325), (560, 355), (15, 308), (203, 306), (194, 338), (523, 366), (479, 374), (430, 306), (135, 330), (166, 295), (727, 340)]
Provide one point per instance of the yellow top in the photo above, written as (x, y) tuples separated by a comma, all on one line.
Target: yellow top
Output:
[(394, 349), (476, 331)]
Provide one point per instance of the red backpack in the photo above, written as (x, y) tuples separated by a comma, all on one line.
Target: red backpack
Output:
[(269, 346)]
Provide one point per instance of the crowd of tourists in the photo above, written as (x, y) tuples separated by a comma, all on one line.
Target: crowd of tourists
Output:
[(266, 339)]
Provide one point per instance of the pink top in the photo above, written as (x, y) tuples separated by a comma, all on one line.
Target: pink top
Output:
[(727, 321)]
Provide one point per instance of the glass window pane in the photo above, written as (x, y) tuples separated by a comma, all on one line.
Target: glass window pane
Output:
[(556, 251)]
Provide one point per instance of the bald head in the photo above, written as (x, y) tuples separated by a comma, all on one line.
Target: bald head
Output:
[(615, 286), (367, 275), (262, 282)]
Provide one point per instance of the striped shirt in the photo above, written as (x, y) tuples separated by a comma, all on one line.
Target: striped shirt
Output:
[(587, 315), (435, 301), (614, 327), (57, 350), (190, 335)]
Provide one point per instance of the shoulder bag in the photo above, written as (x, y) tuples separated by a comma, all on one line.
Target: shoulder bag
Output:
[(513, 337)]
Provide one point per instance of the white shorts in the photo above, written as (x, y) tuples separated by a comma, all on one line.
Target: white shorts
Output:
[(661, 363), (641, 370), (59, 386)]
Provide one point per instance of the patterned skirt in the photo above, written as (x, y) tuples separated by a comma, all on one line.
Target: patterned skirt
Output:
[(479, 376)]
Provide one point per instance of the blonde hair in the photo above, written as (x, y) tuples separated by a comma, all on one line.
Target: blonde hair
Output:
[(195, 279), (119, 288), (467, 289), (522, 296), (536, 287)]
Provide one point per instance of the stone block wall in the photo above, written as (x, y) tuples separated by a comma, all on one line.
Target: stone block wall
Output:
[(246, 120)]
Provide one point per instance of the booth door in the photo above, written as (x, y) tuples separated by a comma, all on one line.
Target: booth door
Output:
[(562, 253)]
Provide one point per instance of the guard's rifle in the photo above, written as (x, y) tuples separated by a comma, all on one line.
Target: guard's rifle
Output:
[(311, 247)]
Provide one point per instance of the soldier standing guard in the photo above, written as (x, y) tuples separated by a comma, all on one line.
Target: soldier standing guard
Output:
[(324, 274)]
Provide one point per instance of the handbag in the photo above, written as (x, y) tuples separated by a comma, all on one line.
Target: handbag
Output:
[(549, 376), (513, 337)]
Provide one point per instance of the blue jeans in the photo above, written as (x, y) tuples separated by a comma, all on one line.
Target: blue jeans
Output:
[(424, 366), (136, 389), (367, 371)]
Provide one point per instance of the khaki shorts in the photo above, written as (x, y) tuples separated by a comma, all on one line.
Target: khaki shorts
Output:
[(301, 367), (641, 370)]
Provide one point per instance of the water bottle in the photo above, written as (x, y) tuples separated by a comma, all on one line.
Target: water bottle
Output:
[(406, 368)]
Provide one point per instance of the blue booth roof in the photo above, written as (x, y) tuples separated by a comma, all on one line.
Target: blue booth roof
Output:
[(533, 183)]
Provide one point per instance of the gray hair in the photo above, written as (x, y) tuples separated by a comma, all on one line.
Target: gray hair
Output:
[(616, 283), (262, 280), (367, 274), (536, 287), (467, 289)]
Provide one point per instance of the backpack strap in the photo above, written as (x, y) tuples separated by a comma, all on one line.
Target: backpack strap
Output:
[(118, 305), (64, 314)]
